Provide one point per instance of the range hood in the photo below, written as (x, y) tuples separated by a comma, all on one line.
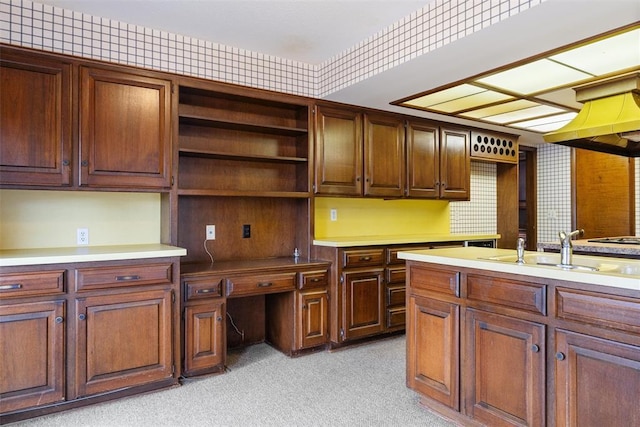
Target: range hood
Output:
[(609, 122)]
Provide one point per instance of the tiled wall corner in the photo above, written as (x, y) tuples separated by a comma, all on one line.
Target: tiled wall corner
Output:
[(554, 191), (478, 215)]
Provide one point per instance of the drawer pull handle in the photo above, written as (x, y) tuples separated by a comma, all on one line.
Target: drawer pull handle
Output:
[(315, 280), (11, 286), (535, 348), (126, 278), (560, 356), (206, 291), (59, 319), (265, 284), (365, 258)]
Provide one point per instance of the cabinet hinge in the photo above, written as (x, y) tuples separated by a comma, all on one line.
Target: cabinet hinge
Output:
[(173, 179), (341, 280), (173, 296), (341, 333)]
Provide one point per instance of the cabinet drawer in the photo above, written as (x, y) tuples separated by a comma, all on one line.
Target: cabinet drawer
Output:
[(123, 276), (392, 253), (396, 295), (396, 274), (510, 293), (433, 280), (598, 309), (202, 288), (313, 279), (362, 258), (32, 283), (260, 284), (396, 317)]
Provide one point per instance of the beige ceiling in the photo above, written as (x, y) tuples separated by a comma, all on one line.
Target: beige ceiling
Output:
[(313, 31)]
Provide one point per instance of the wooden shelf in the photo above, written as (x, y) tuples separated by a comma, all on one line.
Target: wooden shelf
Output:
[(236, 193), (199, 120), (188, 152)]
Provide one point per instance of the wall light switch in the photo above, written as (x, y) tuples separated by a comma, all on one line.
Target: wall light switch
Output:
[(334, 214)]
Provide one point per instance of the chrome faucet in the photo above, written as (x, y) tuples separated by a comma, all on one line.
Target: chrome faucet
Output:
[(520, 251), (566, 248)]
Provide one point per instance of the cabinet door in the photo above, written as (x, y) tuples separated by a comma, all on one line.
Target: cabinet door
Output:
[(205, 336), (455, 164), (423, 160), (338, 168), (505, 366), (313, 321), (597, 381), (433, 350), (32, 371), (363, 299), (35, 117), (123, 340), (384, 166), (125, 134)]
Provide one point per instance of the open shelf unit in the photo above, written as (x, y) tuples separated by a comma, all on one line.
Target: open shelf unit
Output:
[(243, 159)]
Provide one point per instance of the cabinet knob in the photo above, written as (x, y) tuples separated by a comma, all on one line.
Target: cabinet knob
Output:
[(84, 163), (535, 348), (65, 162), (82, 316), (219, 319), (59, 319), (304, 307), (560, 356)]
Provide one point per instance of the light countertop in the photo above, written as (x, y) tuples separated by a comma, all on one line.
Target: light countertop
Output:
[(18, 257), (472, 257), (340, 242), (594, 247)]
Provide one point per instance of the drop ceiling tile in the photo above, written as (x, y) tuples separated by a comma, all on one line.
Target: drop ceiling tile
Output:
[(526, 79), (524, 114)]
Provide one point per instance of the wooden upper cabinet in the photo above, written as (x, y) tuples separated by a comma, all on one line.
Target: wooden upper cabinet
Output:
[(125, 129), (338, 151), (423, 160), (455, 164), (35, 120), (384, 166)]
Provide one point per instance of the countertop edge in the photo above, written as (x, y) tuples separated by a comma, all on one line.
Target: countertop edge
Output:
[(473, 258), (41, 256), (339, 242)]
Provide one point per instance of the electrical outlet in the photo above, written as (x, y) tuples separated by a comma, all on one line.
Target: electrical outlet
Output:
[(334, 214), (246, 231), (82, 236), (211, 232)]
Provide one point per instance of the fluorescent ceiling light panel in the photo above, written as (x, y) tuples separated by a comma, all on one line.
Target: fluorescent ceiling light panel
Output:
[(605, 56), (446, 95), (499, 109), (527, 113), (471, 101), (536, 76), (546, 124)]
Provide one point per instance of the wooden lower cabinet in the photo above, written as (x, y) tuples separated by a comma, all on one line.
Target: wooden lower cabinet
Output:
[(312, 318), (504, 350), (363, 296), (205, 343), (79, 333), (597, 381), (123, 340), (32, 345), (433, 350), (505, 368)]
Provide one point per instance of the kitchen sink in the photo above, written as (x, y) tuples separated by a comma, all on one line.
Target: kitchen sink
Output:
[(580, 263)]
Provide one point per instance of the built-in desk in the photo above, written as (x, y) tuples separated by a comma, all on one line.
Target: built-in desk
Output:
[(282, 301)]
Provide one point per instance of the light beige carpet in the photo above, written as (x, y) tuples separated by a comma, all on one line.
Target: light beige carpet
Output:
[(360, 385)]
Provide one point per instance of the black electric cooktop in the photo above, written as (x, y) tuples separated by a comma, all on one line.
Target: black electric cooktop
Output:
[(617, 240)]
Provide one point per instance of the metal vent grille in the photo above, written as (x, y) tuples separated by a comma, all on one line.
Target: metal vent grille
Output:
[(494, 147)]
